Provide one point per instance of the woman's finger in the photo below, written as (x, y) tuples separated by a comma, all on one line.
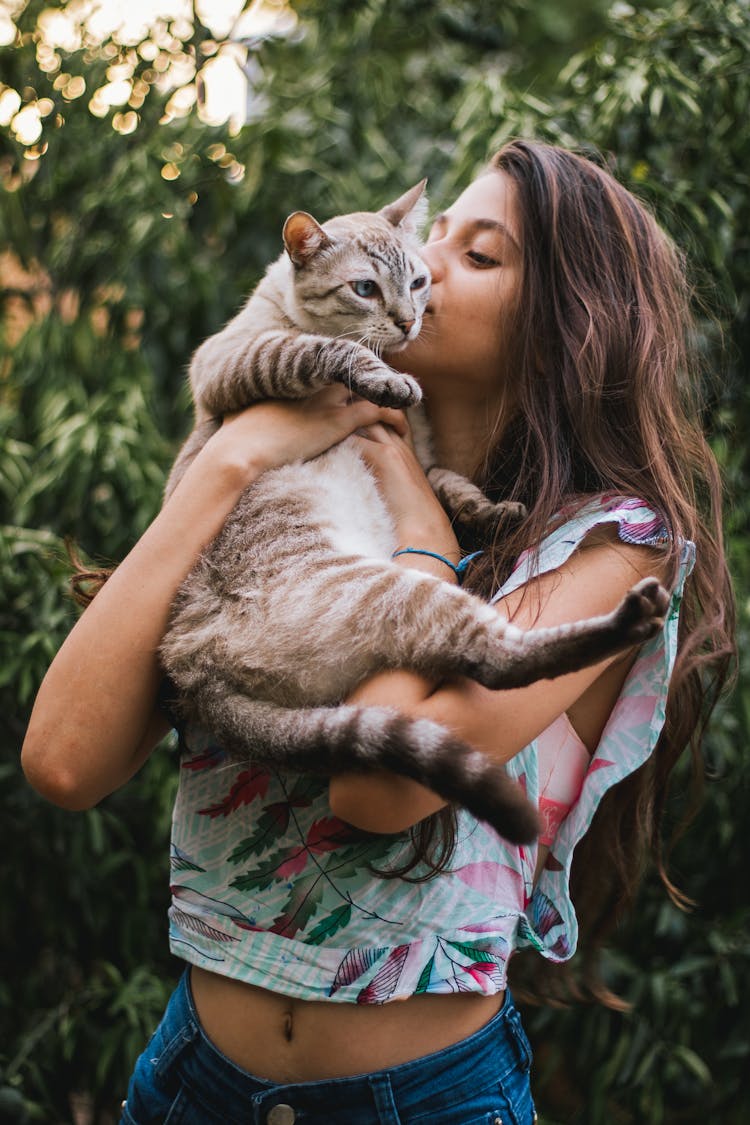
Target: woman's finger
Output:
[(381, 433), (386, 417)]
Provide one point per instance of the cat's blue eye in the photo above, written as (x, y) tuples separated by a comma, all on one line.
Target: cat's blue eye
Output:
[(419, 283), (365, 288)]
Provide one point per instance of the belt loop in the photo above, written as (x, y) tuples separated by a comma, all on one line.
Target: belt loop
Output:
[(174, 1048), (382, 1096), (519, 1041)]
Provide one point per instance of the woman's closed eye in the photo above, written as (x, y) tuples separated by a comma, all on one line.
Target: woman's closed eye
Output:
[(480, 259)]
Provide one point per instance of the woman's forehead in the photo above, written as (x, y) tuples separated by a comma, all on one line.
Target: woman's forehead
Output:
[(488, 200)]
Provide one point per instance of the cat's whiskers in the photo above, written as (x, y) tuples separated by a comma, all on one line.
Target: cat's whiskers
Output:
[(426, 330), (346, 334), (347, 381), (361, 340)]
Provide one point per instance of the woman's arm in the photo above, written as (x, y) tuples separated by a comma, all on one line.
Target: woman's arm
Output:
[(500, 723), (95, 720)]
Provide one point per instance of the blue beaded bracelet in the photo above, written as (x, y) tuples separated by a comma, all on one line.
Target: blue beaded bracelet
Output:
[(459, 570)]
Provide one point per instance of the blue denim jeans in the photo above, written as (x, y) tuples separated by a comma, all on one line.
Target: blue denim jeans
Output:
[(182, 1079)]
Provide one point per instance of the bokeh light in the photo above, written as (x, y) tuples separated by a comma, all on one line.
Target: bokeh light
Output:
[(218, 88)]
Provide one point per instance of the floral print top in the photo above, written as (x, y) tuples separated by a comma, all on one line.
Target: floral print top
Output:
[(270, 888)]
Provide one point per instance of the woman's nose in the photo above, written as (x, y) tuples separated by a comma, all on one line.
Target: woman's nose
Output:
[(432, 256)]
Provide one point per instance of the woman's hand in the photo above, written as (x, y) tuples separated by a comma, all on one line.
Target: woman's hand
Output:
[(419, 519), (270, 434)]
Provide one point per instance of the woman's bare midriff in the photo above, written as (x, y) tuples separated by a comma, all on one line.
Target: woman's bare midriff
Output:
[(286, 1040)]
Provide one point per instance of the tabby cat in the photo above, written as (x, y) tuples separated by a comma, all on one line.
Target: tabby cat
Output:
[(297, 600)]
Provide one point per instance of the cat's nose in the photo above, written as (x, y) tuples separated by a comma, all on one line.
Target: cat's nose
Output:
[(405, 326)]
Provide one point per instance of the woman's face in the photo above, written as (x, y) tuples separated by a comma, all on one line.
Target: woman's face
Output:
[(474, 254)]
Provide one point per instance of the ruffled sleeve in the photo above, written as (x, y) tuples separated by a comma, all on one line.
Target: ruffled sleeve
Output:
[(634, 726)]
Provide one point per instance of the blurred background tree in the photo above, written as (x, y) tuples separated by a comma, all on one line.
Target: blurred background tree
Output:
[(136, 211)]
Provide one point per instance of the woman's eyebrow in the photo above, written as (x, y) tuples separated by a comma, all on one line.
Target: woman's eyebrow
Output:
[(494, 224), (483, 224)]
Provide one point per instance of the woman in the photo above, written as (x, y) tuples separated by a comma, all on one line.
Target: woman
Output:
[(553, 359)]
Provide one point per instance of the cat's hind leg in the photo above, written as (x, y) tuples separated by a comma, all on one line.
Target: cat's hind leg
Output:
[(332, 740), (486, 647), (515, 658), (439, 630)]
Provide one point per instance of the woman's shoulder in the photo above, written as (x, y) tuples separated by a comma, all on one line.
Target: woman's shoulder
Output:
[(593, 524)]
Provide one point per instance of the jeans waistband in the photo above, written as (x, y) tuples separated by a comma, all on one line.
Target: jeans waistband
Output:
[(481, 1058)]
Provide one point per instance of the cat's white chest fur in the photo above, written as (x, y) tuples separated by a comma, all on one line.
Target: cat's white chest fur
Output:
[(346, 502)]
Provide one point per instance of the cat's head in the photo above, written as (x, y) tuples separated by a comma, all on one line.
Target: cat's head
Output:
[(360, 275)]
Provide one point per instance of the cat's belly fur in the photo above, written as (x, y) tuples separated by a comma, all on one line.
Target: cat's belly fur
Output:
[(345, 503), (290, 613)]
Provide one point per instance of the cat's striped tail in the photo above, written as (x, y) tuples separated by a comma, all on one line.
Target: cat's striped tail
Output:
[(331, 740)]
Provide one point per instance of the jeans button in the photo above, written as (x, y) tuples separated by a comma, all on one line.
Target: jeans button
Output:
[(281, 1114)]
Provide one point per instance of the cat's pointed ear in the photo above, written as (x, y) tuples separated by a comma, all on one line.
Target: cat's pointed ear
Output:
[(303, 237), (409, 211)]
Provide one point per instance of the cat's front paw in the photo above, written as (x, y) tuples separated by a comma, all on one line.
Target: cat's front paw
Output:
[(510, 510), (642, 611), (382, 385), (484, 517)]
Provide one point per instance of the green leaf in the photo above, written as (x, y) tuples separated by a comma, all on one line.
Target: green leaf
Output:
[(693, 1062), (330, 925), (476, 953), (424, 976)]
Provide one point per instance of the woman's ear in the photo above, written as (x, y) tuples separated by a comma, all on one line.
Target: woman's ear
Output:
[(409, 211), (303, 237)]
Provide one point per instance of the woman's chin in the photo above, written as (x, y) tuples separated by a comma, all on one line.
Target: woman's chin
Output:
[(407, 357)]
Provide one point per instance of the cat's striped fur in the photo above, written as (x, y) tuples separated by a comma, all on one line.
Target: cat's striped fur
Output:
[(297, 600)]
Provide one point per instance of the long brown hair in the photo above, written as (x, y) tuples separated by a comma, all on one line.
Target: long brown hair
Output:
[(606, 372)]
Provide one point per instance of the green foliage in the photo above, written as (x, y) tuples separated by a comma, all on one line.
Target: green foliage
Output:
[(137, 236)]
